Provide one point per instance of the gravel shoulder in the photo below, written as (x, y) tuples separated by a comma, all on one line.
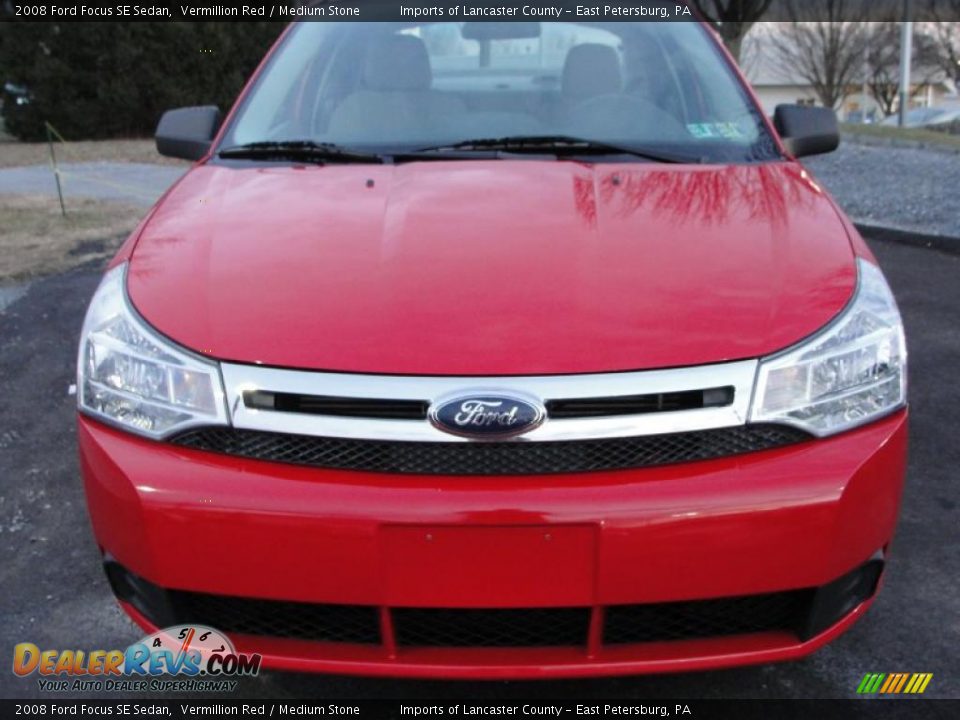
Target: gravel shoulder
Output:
[(902, 188)]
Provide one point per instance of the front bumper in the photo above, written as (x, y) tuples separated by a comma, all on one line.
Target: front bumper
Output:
[(789, 520)]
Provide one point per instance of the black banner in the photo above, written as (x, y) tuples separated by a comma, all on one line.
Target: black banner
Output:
[(471, 10), (531, 710)]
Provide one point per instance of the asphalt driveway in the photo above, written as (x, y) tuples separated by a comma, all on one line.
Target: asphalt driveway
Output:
[(136, 183), (54, 593)]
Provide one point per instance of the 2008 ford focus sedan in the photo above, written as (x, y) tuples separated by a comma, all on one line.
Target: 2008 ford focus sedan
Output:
[(496, 350)]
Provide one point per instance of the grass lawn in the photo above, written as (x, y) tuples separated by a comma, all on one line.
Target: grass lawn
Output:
[(16, 154), (910, 134), (35, 239)]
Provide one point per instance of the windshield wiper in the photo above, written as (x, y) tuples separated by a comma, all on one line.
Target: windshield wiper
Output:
[(559, 145), (304, 150)]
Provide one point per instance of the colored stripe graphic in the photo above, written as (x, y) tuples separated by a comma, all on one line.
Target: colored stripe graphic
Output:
[(892, 680), (870, 683), (903, 679), (894, 683), (927, 677)]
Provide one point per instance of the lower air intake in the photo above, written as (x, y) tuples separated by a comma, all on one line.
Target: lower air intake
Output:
[(527, 627), (789, 612), (706, 618)]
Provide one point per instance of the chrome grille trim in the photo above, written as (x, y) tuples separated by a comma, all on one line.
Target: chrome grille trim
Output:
[(244, 378)]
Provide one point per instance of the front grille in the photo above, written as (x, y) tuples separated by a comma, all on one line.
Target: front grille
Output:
[(527, 627), (493, 458), (336, 406), (640, 404), (394, 409), (706, 618)]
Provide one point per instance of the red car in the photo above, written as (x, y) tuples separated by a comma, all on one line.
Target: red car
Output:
[(496, 349)]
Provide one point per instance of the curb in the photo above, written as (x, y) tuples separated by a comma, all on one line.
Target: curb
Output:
[(881, 142), (940, 243)]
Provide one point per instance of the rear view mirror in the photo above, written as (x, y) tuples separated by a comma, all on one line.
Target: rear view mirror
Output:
[(187, 132), (500, 30), (807, 130)]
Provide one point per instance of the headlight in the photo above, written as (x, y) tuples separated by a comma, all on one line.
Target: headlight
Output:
[(852, 372), (129, 376)]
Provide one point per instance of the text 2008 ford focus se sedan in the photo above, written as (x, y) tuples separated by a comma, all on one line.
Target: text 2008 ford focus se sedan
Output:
[(496, 350)]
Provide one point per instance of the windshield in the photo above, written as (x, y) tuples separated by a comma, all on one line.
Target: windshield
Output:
[(382, 87)]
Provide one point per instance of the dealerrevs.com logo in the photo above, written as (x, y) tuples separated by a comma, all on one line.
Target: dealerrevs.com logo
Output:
[(186, 658)]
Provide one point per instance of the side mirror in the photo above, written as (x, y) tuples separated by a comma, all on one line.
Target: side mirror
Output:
[(187, 132), (807, 130)]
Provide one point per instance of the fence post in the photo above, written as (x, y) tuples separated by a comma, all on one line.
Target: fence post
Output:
[(56, 170)]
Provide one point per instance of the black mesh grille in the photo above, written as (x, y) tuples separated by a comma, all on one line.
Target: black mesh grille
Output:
[(790, 611), (503, 627), (706, 618), (494, 458), (514, 627), (529, 627), (306, 621)]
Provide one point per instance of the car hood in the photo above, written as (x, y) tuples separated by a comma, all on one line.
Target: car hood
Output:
[(499, 267)]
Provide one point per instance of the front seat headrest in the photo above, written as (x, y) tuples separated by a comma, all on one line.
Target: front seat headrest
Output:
[(591, 69), (398, 62)]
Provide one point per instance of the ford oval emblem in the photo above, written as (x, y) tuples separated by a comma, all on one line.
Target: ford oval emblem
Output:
[(486, 415)]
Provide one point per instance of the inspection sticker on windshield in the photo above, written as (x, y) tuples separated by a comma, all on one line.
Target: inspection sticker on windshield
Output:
[(725, 130)]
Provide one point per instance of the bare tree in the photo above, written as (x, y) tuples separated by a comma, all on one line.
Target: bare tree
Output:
[(944, 34), (883, 64), (828, 53), (732, 18)]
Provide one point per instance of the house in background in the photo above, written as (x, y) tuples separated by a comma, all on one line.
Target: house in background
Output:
[(776, 84)]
